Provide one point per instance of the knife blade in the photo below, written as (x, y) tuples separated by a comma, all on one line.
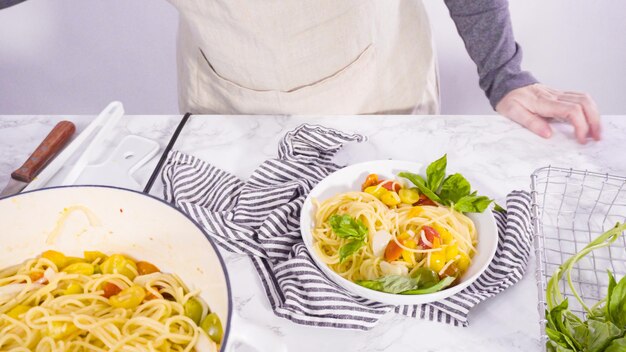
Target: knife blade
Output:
[(49, 147)]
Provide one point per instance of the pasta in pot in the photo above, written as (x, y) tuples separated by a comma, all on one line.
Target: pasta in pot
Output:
[(100, 303)]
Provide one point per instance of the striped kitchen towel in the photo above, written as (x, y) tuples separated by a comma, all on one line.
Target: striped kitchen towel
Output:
[(260, 218)]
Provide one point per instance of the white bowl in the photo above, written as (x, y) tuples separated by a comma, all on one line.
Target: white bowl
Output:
[(350, 179)]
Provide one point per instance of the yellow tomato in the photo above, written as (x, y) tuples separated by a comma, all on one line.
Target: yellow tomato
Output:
[(59, 259), (79, 268), (446, 236), (73, 289), (376, 191), (390, 198), (437, 261), (463, 262), (119, 264), (92, 256), (452, 251), (60, 330), (409, 195), (129, 298), (416, 211), (18, 310), (409, 256)]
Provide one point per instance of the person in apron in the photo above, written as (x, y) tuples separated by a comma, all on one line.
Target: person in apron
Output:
[(354, 57)]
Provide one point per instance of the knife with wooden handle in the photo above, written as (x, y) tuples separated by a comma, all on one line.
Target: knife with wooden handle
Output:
[(49, 147)]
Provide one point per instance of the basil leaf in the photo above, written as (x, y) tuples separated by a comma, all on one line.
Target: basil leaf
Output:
[(601, 334), (371, 284), (418, 181), (618, 345), (349, 249), (454, 187), (562, 341), (576, 329), (344, 226), (472, 204), (434, 288), (498, 208), (390, 283), (425, 277), (616, 303), (435, 172)]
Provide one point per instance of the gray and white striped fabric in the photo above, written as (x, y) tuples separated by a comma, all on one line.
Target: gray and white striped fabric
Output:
[(260, 218)]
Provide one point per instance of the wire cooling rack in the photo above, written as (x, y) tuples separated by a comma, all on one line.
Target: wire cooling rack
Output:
[(571, 208)]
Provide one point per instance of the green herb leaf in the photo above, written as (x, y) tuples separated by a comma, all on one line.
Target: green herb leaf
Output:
[(617, 345), (391, 283), (454, 188), (576, 328), (344, 226), (435, 173), (601, 334), (447, 281), (563, 342), (498, 208), (425, 277), (349, 249), (371, 284), (616, 303), (472, 204), (418, 181)]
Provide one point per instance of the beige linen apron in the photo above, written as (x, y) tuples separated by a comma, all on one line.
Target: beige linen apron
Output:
[(306, 57)]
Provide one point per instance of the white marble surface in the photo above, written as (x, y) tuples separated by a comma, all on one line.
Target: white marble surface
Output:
[(496, 155)]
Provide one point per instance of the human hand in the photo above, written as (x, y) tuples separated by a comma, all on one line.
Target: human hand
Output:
[(534, 105)]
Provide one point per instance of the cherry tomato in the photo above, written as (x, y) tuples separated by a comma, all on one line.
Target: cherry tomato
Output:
[(390, 185), (393, 251), (36, 276), (430, 235), (424, 200), (110, 290), (451, 270), (144, 268), (370, 180)]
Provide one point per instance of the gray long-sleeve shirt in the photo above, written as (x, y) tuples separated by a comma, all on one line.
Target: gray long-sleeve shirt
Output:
[(485, 26)]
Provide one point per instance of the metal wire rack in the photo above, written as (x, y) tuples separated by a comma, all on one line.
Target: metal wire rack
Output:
[(571, 208)]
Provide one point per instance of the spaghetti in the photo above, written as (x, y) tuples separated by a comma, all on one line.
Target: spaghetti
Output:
[(404, 234), (100, 303)]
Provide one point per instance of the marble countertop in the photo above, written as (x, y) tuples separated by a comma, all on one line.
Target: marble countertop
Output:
[(495, 154)]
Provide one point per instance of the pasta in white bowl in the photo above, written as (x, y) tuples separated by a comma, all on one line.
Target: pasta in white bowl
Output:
[(377, 234)]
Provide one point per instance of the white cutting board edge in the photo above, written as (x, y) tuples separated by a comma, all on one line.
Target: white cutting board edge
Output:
[(131, 153)]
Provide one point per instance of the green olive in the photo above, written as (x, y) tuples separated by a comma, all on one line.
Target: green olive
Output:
[(213, 327), (193, 309), (425, 277)]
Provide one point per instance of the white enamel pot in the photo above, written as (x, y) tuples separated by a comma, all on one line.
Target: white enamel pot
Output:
[(132, 223)]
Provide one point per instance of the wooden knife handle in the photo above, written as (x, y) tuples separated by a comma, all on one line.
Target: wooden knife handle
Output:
[(49, 147)]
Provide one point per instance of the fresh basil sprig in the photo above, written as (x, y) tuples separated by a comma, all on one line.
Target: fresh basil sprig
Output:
[(453, 190), (605, 327), (344, 226), (405, 285)]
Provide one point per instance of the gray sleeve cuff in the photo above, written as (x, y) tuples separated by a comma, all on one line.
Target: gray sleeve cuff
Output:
[(500, 81)]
